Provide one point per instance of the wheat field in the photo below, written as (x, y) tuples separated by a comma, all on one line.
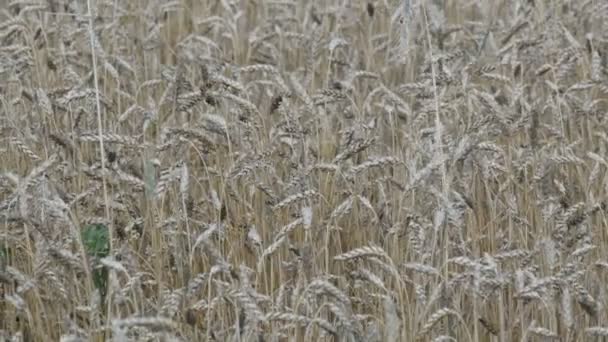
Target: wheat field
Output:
[(285, 170)]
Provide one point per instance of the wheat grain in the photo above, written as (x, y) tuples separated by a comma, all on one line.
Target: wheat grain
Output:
[(445, 166)]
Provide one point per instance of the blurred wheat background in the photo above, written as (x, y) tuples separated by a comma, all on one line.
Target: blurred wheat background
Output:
[(284, 170)]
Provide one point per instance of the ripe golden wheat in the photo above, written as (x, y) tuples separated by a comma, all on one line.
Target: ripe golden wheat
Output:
[(291, 170)]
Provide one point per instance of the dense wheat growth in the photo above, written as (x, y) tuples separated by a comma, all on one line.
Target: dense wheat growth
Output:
[(286, 170)]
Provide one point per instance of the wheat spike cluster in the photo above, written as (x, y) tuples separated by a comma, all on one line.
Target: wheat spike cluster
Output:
[(285, 170)]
